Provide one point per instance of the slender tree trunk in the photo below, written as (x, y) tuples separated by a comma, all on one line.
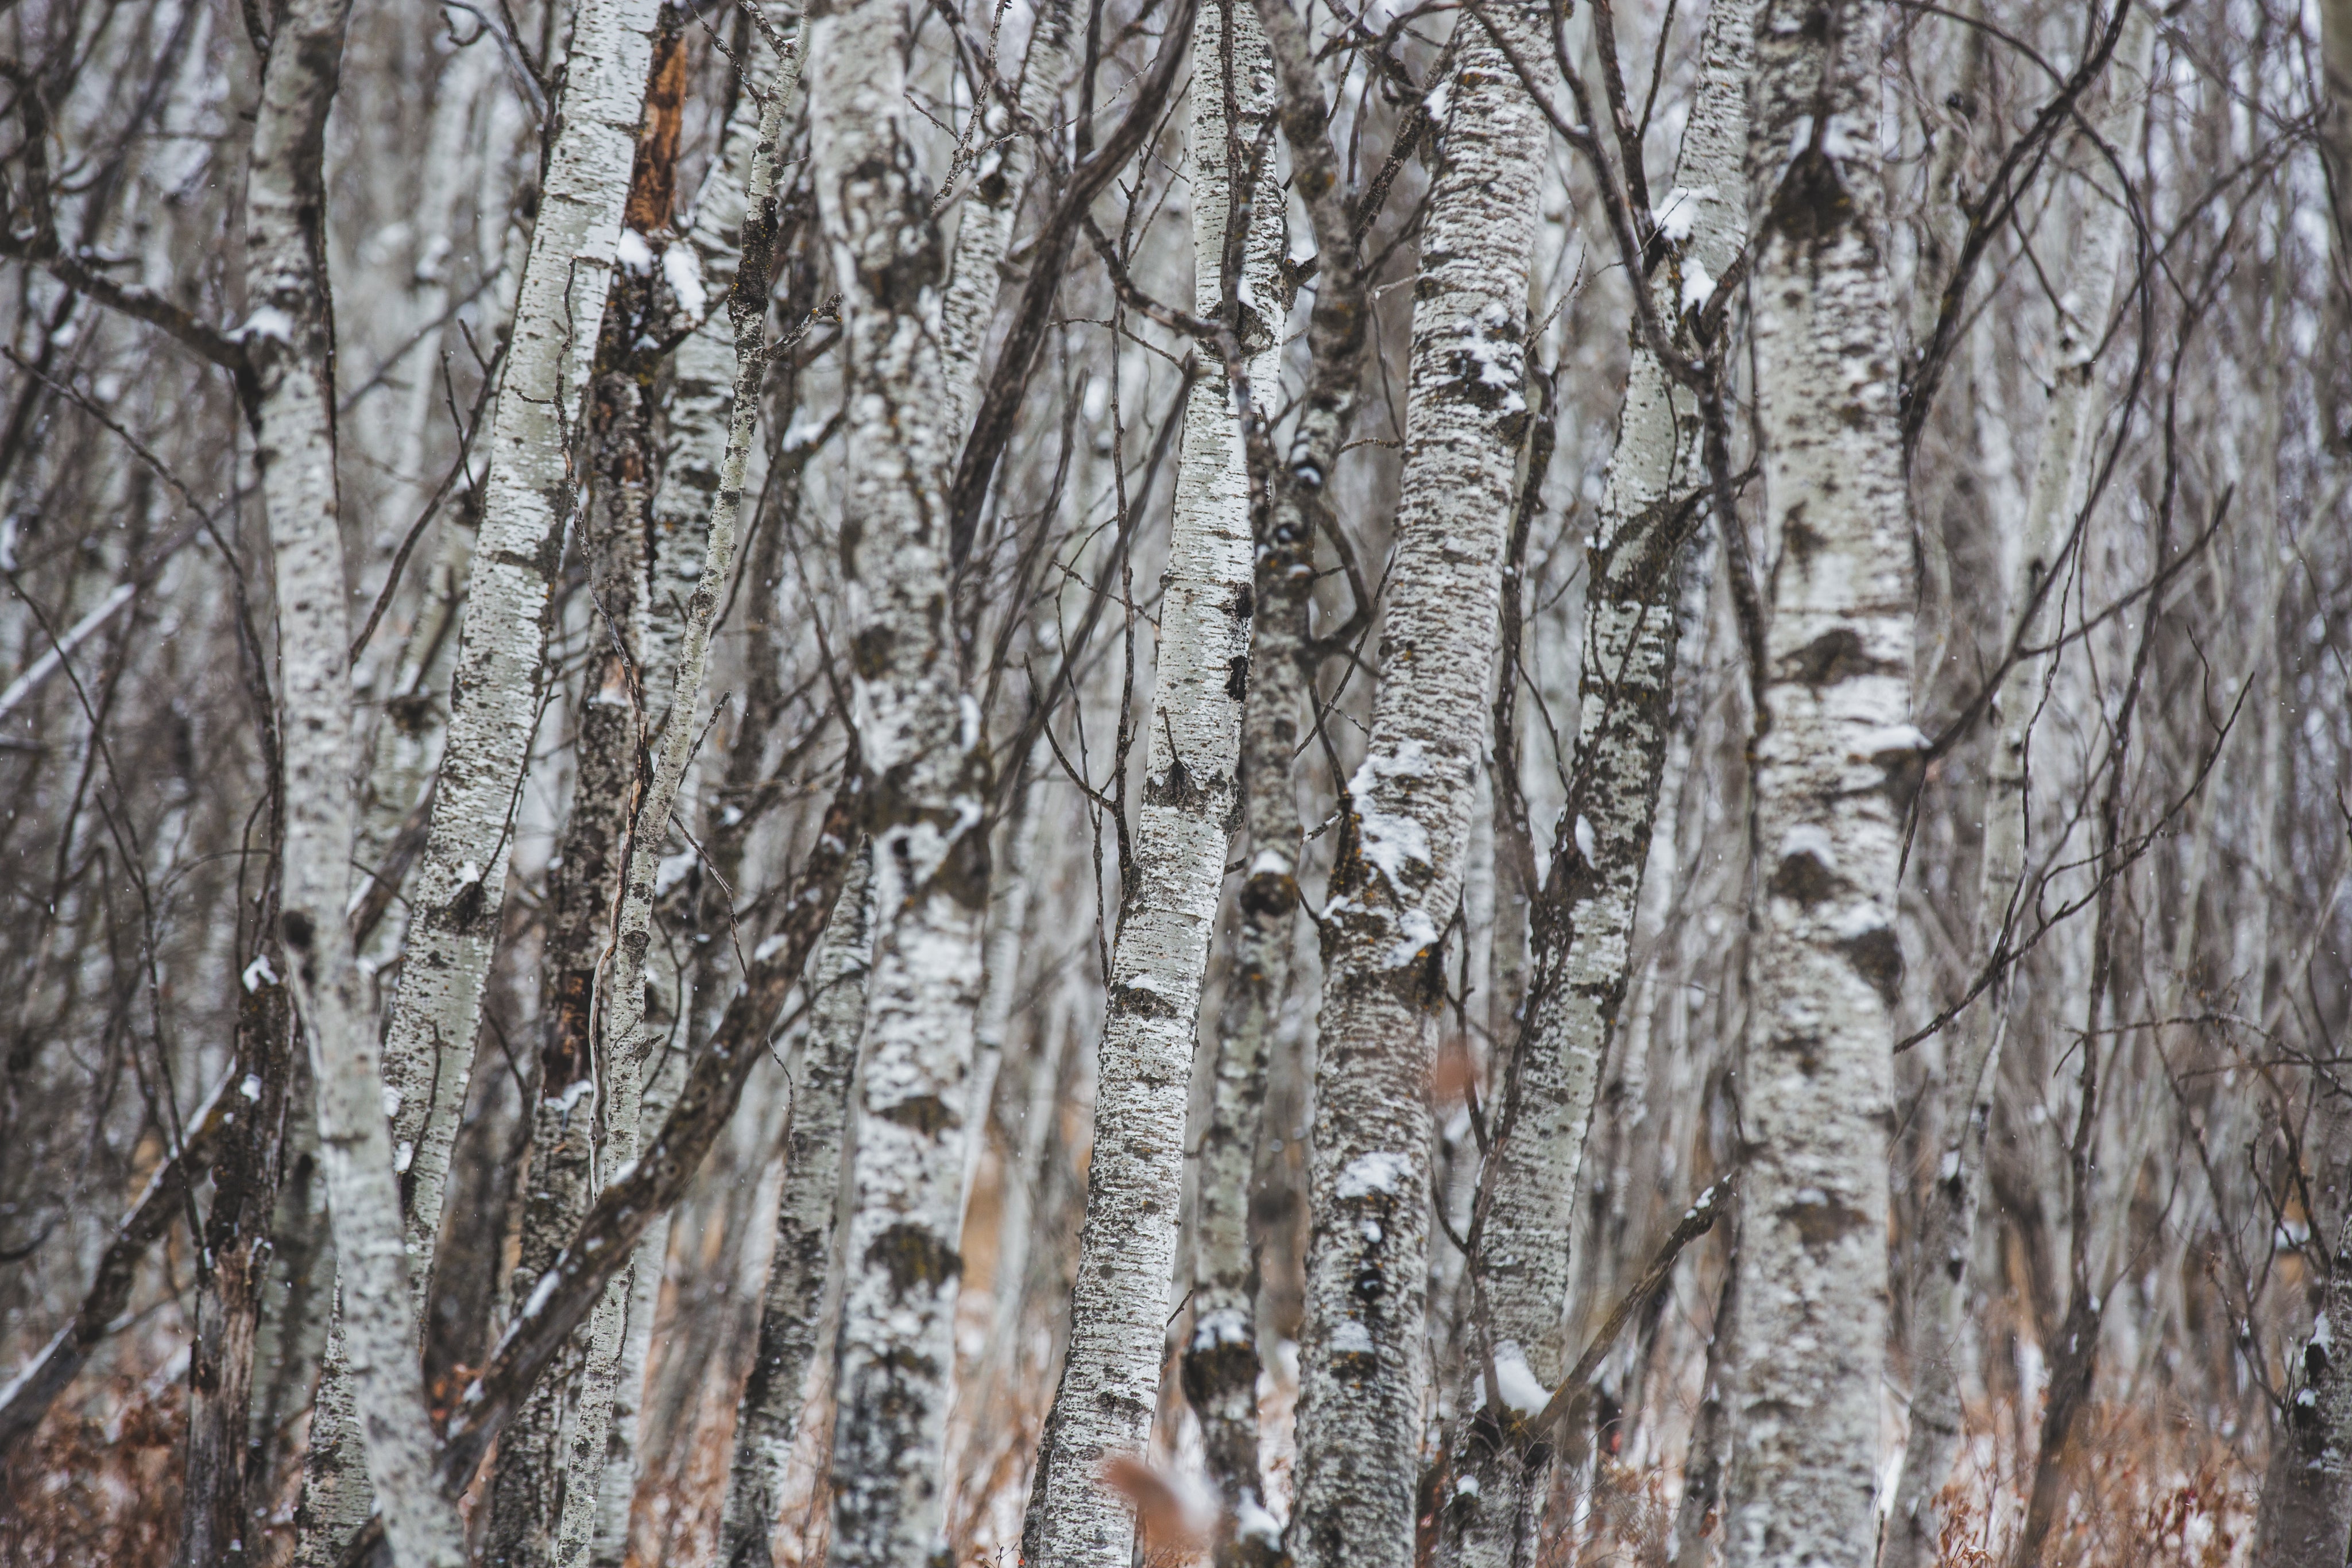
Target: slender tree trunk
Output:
[(1946, 1242), (922, 751), (1189, 801), (1836, 758), (1586, 913), (527, 497), (767, 1420), (1232, 99), (1399, 873), (236, 1259), (288, 338)]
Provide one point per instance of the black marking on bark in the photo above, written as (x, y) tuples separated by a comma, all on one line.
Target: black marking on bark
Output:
[(1803, 877), (912, 1257), (926, 1113), (1836, 656), (1134, 1001), (1237, 676), (1877, 956), (1821, 1220)]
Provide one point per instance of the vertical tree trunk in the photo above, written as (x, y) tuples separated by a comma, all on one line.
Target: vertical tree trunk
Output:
[(1836, 758), (1398, 872), (235, 1258), (767, 1420), (1189, 800), (1593, 891), (922, 751), (527, 496), (1947, 1240), (288, 338), (1232, 99)]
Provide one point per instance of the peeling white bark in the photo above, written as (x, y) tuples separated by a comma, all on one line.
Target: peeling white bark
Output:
[(1399, 870), (289, 351), (527, 497), (921, 742), (1834, 763)]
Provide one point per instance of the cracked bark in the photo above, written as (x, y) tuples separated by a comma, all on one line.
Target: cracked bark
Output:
[(768, 1417), (1836, 758)]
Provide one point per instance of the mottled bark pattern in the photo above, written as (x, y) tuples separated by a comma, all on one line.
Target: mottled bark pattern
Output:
[(922, 746), (1222, 1359), (527, 497), (1584, 918), (289, 347), (768, 1419), (1834, 768), (1189, 807), (1398, 874)]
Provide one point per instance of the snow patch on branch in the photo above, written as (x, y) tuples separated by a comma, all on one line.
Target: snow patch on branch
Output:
[(1523, 1392)]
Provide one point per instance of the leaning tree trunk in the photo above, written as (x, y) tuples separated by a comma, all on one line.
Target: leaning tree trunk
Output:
[(1585, 917), (1399, 866), (767, 1419), (928, 770), (1118, 1308), (1947, 1240), (1834, 765), (288, 339), (496, 697)]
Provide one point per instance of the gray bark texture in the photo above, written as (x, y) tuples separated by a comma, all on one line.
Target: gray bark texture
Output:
[(1835, 764), (922, 747), (1399, 874), (1585, 917)]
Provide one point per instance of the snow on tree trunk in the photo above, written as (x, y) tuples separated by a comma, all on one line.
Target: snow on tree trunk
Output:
[(1593, 893), (288, 343), (768, 1417), (921, 743), (1947, 1240), (1834, 765), (1222, 1361), (1189, 800), (1400, 867), (528, 494)]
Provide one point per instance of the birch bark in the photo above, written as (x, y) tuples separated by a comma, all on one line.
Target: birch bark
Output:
[(288, 339), (1232, 99), (1400, 868), (922, 747), (1834, 760), (528, 494), (627, 1045), (1187, 811), (1946, 1242), (768, 1417), (1593, 893)]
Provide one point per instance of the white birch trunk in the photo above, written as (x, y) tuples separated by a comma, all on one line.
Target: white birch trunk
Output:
[(1009, 886), (1188, 807), (768, 1419), (1655, 481), (528, 494), (1834, 762), (922, 752), (287, 340), (2061, 469), (627, 1045), (1398, 874)]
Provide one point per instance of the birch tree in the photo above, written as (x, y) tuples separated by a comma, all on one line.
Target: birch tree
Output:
[(922, 749), (1190, 799), (1400, 868), (1833, 758), (1655, 484), (286, 335)]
